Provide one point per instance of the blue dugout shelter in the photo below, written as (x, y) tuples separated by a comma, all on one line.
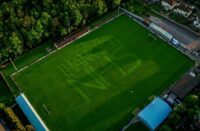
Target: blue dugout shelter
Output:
[(30, 113), (154, 113)]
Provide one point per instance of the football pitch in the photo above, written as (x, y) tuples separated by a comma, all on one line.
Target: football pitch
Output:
[(95, 82)]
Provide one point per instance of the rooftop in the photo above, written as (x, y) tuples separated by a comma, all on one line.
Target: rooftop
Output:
[(170, 2), (195, 46), (185, 8), (155, 113), (182, 87)]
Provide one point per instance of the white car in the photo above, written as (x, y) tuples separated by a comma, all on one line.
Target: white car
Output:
[(175, 42)]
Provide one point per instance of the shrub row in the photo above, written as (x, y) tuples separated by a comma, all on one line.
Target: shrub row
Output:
[(13, 120)]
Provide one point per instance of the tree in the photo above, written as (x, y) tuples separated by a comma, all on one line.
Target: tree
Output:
[(100, 7), (63, 31), (2, 106), (55, 22), (181, 108), (47, 3), (13, 119), (29, 128), (16, 44), (116, 2), (28, 21), (33, 38), (174, 118), (165, 128), (45, 19), (196, 118), (191, 99), (113, 3), (76, 16), (39, 28), (25, 24), (20, 13), (5, 52)]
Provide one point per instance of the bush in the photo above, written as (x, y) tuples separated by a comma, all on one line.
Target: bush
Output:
[(13, 119), (2, 106), (191, 99), (181, 108), (165, 128), (179, 18), (29, 128)]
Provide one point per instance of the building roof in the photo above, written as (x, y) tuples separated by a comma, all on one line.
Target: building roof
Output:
[(185, 8), (170, 2), (187, 83), (195, 46), (155, 113), (30, 113)]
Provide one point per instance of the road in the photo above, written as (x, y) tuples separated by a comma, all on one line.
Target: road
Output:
[(183, 35)]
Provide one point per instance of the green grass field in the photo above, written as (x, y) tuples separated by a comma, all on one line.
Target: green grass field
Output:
[(5, 94), (96, 82)]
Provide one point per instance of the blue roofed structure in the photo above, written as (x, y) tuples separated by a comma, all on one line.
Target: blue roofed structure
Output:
[(30, 113), (154, 113)]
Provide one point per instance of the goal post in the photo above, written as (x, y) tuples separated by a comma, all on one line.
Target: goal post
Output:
[(13, 64)]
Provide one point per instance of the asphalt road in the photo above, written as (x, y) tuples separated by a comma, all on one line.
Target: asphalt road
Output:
[(183, 35)]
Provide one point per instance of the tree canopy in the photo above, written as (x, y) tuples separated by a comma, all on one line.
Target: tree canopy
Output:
[(25, 24)]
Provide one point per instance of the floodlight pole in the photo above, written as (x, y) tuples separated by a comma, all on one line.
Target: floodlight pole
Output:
[(13, 64)]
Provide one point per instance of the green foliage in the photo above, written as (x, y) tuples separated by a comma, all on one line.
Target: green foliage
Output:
[(189, 110), (179, 18), (137, 7), (28, 21), (25, 24), (181, 108), (116, 2), (191, 99), (2, 106), (76, 16), (45, 19), (13, 119), (29, 128), (174, 118), (63, 31), (165, 128), (15, 44), (101, 7), (194, 2)]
